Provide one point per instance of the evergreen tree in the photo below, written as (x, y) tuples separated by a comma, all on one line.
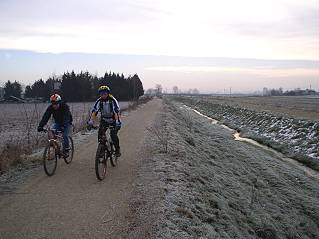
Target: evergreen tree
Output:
[(12, 89), (39, 89), (28, 92), (84, 86)]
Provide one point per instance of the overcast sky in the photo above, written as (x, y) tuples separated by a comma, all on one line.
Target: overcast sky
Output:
[(271, 30)]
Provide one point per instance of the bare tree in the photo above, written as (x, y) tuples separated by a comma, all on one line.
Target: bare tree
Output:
[(175, 89), (195, 91), (158, 89)]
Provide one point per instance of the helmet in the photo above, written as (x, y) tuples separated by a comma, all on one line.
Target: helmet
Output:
[(54, 99), (104, 88)]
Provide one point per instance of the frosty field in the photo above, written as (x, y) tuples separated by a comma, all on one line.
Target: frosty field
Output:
[(300, 107), (287, 124), (208, 185), (19, 121)]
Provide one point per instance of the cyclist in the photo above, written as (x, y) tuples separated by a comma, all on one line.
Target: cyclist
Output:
[(110, 109), (62, 117)]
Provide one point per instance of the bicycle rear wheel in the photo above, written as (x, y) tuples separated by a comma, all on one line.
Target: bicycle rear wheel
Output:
[(50, 160), (100, 162), (69, 159), (113, 158)]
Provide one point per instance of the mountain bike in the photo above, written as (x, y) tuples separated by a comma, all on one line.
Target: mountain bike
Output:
[(54, 151), (105, 151)]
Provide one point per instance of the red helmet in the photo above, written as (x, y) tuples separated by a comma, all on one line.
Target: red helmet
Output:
[(54, 99)]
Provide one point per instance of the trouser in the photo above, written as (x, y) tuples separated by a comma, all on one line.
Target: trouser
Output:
[(113, 133), (65, 128)]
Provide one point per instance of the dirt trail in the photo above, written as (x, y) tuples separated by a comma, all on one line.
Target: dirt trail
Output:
[(73, 203)]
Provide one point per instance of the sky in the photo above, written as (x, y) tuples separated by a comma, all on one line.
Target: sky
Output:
[(206, 44)]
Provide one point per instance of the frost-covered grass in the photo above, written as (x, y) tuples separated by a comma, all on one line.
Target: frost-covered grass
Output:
[(207, 185), (297, 138), (299, 107)]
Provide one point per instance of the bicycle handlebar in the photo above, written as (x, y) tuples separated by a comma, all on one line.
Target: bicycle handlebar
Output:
[(97, 127), (53, 130)]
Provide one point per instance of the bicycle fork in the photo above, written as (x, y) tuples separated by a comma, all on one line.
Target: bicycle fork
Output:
[(56, 146)]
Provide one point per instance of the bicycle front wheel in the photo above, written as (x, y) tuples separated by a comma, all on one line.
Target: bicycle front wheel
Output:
[(69, 159), (50, 160), (100, 162)]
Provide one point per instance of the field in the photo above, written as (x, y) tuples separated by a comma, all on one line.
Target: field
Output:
[(15, 117), (300, 107), (214, 186), (287, 124), (18, 119), (18, 128)]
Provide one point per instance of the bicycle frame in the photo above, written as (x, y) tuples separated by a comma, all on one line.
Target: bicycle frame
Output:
[(106, 139), (53, 151), (55, 139), (105, 152)]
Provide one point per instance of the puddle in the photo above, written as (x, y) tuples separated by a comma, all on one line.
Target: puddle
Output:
[(213, 121), (308, 171), (251, 141)]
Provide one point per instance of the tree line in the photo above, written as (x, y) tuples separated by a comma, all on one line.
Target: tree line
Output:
[(158, 90), (12, 89), (79, 87), (281, 92)]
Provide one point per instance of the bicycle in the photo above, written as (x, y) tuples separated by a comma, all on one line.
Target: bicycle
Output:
[(105, 150), (54, 150)]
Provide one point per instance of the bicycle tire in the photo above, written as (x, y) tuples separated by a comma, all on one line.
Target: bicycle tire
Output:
[(69, 159), (49, 165), (100, 162), (113, 158)]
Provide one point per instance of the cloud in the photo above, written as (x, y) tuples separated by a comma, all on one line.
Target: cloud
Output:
[(300, 24), (206, 74), (36, 32), (273, 29), (59, 12), (261, 71)]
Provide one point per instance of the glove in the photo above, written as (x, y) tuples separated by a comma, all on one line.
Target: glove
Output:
[(89, 124), (118, 124), (40, 129)]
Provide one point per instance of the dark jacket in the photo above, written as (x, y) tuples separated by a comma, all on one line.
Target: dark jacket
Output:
[(61, 116)]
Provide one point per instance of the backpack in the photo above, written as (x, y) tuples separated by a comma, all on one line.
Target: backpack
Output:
[(110, 104)]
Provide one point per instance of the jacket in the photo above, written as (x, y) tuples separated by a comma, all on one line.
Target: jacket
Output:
[(107, 107), (61, 116)]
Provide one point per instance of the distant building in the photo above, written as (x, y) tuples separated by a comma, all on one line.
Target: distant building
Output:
[(151, 92), (1, 93)]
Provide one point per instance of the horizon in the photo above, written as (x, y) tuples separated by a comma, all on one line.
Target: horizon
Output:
[(211, 74)]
